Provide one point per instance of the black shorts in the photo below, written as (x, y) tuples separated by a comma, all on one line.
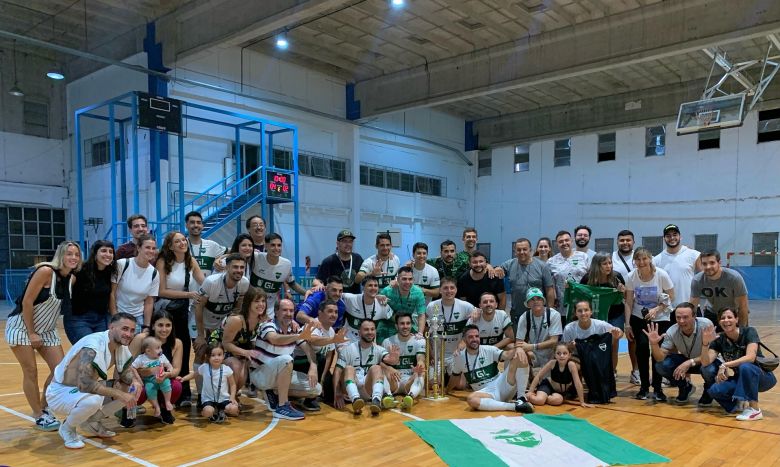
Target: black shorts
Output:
[(546, 387), (217, 405)]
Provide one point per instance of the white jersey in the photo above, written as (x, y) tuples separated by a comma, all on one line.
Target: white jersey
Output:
[(134, 284), (359, 358), (426, 278), (410, 349), (269, 351), (205, 253), (681, 268), (270, 277), (319, 350), (389, 269), (221, 300), (355, 311), (455, 318), (491, 332), (480, 369)]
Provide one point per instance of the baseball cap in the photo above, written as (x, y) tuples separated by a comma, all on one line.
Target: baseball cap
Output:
[(533, 292), (344, 234), (671, 227)]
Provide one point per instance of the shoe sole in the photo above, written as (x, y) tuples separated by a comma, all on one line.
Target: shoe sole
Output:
[(75, 447), (357, 406), (53, 428), (750, 419), (375, 409), (407, 403), (287, 417), (388, 403)]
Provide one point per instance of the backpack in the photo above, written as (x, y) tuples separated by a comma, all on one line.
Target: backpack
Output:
[(528, 323), (127, 265)]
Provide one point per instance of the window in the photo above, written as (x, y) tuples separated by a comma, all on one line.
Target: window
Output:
[(606, 148), (709, 139), (313, 165), (304, 164), (97, 151), (705, 242), (484, 163), (484, 248), (604, 245), (768, 125), (522, 157), (376, 177), (562, 157), (655, 141), (33, 234), (384, 177), (36, 118), (766, 241), (654, 244)]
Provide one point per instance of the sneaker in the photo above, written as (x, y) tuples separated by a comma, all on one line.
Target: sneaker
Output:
[(357, 406), (287, 412), (666, 383), (376, 406), (705, 400), (96, 430), (221, 416), (140, 410), (523, 406), (641, 395), (685, 393), (388, 402), (750, 414), (634, 378), (311, 405), (272, 399), (166, 417), (659, 396), (71, 438), (185, 404), (407, 402), (47, 422)]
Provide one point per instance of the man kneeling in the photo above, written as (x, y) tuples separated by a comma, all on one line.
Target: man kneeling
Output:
[(406, 377), (492, 389)]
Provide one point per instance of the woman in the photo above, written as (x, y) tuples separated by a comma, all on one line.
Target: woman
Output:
[(738, 379), (244, 246), (239, 331), (32, 326), (180, 277), (136, 283), (91, 293), (649, 295), (543, 249), (601, 274), (162, 328)]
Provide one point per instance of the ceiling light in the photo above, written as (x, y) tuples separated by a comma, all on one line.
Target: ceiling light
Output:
[(397, 3), (16, 91), (55, 73), (281, 42)]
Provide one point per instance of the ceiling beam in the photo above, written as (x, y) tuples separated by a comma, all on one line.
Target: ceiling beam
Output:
[(650, 33)]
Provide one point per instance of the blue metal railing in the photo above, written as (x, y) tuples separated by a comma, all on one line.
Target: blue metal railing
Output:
[(13, 282)]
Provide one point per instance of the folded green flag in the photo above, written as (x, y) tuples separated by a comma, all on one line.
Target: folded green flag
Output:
[(600, 298)]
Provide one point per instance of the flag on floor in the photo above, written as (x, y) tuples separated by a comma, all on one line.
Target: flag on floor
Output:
[(534, 439)]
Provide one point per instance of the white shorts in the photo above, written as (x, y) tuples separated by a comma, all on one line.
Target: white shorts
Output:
[(62, 399), (300, 384), (499, 389), (264, 376), (405, 379)]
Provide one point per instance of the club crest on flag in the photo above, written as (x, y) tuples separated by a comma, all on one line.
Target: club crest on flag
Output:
[(527, 439)]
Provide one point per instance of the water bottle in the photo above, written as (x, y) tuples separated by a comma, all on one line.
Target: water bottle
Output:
[(131, 413)]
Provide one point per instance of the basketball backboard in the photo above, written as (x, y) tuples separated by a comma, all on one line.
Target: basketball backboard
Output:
[(711, 114)]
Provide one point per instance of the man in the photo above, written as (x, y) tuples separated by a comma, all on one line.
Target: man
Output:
[(343, 263), (138, 226), (425, 275), (525, 272), (679, 352), (362, 306), (469, 242), (453, 315), (360, 364), (273, 363), (255, 227), (270, 271), (492, 389), (404, 297), (308, 311), (383, 265), (220, 294), (582, 235), (405, 378), (203, 250), (450, 263), (567, 265), (476, 281), (623, 257), (76, 390), (538, 329), (680, 262), (495, 328), (721, 287)]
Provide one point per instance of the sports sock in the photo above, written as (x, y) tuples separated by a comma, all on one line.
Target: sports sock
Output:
[(494, 405), (521, 381), (416, 388), (352, 390), (378, 390)]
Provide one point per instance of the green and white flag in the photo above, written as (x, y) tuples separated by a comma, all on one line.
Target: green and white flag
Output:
[(547, 440)]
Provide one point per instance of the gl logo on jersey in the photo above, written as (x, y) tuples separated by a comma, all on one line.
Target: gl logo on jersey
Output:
[(480, 373)]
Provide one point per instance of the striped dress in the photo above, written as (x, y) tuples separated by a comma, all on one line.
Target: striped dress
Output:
[(46, 311)]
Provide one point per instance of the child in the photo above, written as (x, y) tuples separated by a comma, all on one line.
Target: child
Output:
[(565, 377), (152, 357), (218, 396)]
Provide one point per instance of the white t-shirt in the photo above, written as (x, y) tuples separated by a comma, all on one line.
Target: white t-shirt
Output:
[(409, 352), (134, 284), (539, 331), (574, 331), (647, 294), (355, 311), (270, 277), (491, 332), (389, 269), (564, 269), (220, 299), (681, 268), (427, 278), (205, 253), (617, 263), (319, 350), (455, 318), (214, 389), (143, 361)]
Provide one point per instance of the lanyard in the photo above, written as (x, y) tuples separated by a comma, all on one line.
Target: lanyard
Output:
[(466, 356), (373, 310), (537, 332), (344, 269), (693, 341), (370, 355), (444, 310), (219, 385), (227, 295), (200, 250)]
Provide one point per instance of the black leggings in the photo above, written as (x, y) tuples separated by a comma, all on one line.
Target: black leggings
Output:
[(643, 354), (181, 329)]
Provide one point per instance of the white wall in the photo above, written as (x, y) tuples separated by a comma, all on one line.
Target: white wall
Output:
[(731, 191), (32, 170)]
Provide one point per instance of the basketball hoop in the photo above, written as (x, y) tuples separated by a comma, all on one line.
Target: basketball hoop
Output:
[(707, 117)]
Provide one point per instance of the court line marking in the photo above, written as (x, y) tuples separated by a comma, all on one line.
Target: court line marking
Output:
[(251, 440), (413, 417), (11, 394), (98, 445)]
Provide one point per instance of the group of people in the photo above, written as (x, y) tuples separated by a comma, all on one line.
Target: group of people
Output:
[(138, 315)]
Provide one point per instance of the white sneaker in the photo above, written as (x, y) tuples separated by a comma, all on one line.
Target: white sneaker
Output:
[(69, 435), (97, 430), (634, 379), (750, 414)]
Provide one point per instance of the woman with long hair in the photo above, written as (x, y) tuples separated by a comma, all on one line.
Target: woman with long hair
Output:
[(244, 246), (543, 249), (136, 283), (649, 295), (239, 330), (91, 293), (180, 277), (32, 325), (601, 274)]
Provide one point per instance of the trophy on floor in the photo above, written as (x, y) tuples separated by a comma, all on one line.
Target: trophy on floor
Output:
[(435, 386)]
